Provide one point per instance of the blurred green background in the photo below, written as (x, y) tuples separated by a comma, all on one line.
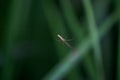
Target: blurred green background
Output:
[(31, 50)]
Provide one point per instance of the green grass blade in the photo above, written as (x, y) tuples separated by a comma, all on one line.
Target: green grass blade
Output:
[(74, 25), (101, 8), (94, 36), (10, 36), (71, 18)]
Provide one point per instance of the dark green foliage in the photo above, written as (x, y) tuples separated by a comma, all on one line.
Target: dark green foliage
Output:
[(31, 50)]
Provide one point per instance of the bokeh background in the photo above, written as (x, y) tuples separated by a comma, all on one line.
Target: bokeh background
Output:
[(31, 50)]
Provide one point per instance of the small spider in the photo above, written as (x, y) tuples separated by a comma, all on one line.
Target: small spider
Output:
[(64, 41)]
